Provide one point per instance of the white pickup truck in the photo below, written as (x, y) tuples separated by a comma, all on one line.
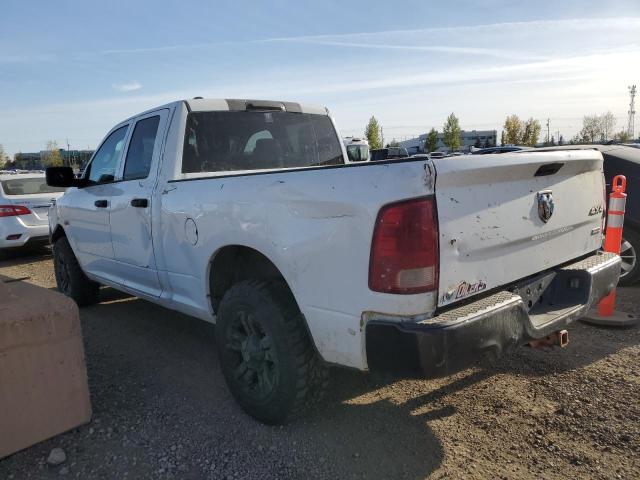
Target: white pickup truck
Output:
[(248, 214)]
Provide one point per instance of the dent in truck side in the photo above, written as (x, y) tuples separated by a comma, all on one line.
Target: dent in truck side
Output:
[(307, 224)]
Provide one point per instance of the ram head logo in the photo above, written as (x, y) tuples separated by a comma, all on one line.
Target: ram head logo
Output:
[(545, 205)]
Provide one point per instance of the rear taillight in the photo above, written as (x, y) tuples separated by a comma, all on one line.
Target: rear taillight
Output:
[(404, 251), (13, 210)]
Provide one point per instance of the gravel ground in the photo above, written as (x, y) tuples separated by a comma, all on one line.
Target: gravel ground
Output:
[(161, 409)]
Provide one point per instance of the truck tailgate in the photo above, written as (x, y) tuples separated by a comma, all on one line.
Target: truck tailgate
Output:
[(505, 217)]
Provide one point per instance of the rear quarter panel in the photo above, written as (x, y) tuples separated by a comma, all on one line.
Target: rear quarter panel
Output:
[(315, 225)]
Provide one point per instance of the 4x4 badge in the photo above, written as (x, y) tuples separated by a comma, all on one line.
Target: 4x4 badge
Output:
[(595, 210), (545, 205)]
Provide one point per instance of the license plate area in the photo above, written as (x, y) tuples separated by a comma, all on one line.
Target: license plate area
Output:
[(550, 295)]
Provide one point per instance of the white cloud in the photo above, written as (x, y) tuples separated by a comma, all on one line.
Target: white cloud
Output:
[(127, 87), (29, 58), (469, 35), (493, 52), (569, 23)]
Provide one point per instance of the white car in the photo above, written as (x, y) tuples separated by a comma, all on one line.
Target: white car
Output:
[(25, 199), (248, 214)]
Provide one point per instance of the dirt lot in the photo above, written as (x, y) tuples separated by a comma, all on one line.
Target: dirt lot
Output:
[(161, 409)]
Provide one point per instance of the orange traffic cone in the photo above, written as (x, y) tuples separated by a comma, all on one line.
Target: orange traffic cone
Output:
[(606, 313)]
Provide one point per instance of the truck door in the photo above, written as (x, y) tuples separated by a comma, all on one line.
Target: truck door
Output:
[(132, 205), (87, 209)]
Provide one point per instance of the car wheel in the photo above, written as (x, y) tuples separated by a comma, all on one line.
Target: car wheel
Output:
[(266, 355), (629, 249), (70, 278)]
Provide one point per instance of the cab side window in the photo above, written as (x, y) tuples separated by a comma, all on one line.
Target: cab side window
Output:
[(140, 153), (102, 168)]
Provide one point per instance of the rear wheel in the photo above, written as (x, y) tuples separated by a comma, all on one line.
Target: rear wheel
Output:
[(629, 249), (265, 352), (70, 278)]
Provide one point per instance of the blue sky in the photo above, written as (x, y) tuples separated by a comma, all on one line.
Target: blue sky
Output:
[(71, 69)]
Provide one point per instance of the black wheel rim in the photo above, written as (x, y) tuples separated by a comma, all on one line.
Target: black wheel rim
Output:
[(251, 355), (62, 274), (628, 257)]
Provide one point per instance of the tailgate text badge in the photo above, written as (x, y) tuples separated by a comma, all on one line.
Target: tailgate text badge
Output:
[(464, 289), (596, 210), (545, 205)]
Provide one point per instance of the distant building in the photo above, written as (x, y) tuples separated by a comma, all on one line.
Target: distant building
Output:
[(36, 160), (468, 139), (28, 161)]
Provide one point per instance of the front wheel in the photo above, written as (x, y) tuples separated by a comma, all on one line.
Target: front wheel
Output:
[(265, 352), (70, 278)]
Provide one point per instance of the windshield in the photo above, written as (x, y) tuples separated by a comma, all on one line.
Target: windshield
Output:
[(240, 141), (28, 186), (358, 153)]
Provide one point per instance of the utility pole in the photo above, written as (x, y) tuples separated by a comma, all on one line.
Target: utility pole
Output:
[(548, 137), (632, 112)]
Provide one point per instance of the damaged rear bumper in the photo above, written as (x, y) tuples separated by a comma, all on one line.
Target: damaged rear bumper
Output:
[(491, 326)]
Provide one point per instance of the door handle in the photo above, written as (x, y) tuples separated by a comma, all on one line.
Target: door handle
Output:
[(140, 202), (101, 203)]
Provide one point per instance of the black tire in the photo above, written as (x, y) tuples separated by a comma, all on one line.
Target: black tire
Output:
[(266, 355), (630, 273), (70, 278)]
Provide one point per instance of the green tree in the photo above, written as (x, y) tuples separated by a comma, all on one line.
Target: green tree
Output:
[(622, 136), (52, 157), (607, 124), (451, 132), (530, 132), (502, 139), (4, 158), (373, 133), (513, 129), (393, 143), (591, 129), (432, 140)]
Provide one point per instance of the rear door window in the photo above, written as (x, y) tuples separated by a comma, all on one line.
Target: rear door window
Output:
[(140, 154), (241, 141)]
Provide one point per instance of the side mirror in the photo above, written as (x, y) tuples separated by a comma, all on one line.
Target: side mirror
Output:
[(62, 177)]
